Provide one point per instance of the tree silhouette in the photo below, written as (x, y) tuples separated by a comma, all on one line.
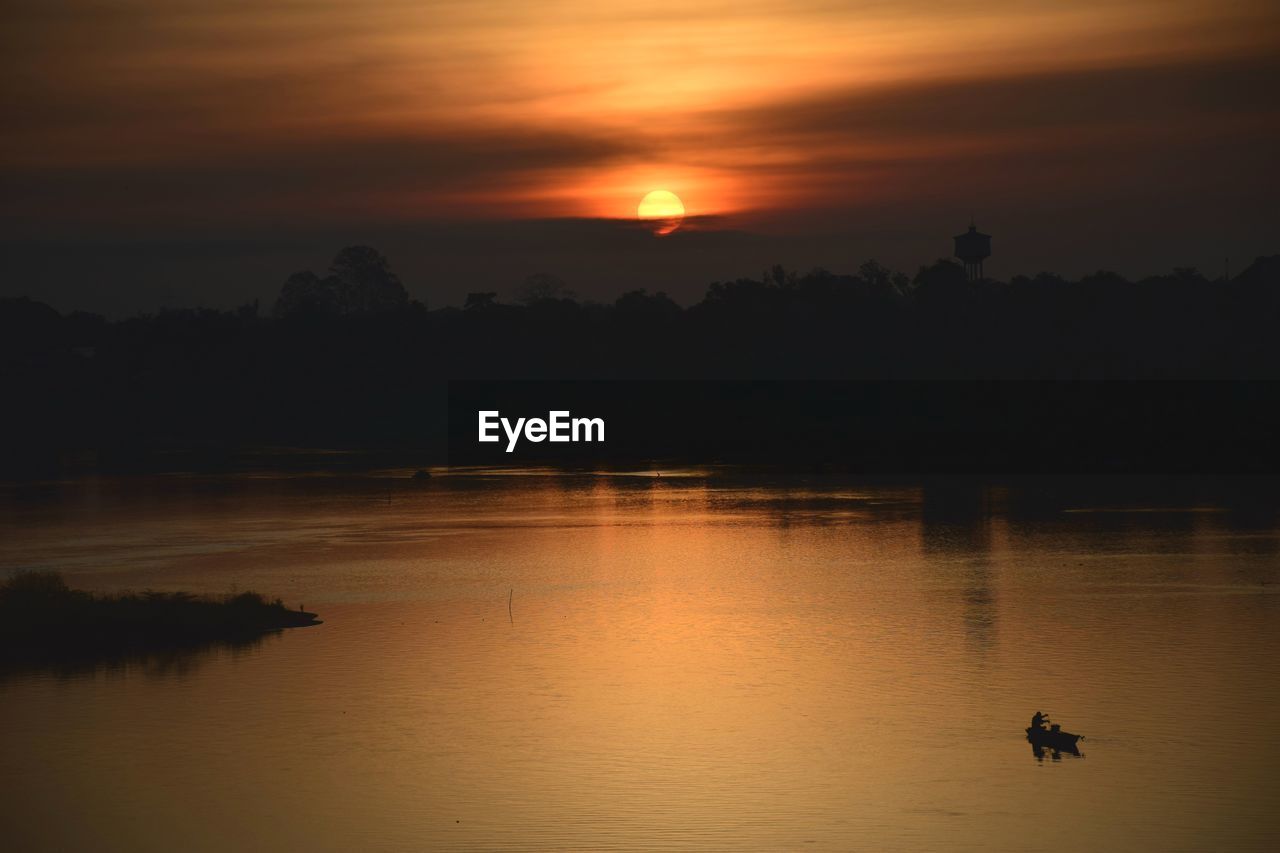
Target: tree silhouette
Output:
[(365, 282), (480, 299), (360, 281), (642, 304), (306, 294)]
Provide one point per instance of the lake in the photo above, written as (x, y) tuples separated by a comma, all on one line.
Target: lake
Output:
[(687, 659)]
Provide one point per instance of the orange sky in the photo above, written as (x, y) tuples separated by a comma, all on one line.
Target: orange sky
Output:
[(851, 128), (561, 108)]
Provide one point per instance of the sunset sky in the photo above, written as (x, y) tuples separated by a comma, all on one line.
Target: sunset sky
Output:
[(197, 151)]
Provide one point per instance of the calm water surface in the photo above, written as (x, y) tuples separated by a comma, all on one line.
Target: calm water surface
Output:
[(693, 661)]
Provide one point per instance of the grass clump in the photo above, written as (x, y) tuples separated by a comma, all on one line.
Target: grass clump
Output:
[(42, 617)]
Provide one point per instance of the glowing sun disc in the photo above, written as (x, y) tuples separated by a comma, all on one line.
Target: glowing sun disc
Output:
[(663, 208)]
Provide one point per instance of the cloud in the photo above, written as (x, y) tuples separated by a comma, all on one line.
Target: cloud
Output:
[(1000, 104), (438, 175), (1080, 134)]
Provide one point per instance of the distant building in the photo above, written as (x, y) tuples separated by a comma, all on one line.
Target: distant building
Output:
[(973, 248)]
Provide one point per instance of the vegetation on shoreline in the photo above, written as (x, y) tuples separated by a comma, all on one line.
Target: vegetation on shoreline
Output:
[(44, 620), (357, 332), (349, 360)]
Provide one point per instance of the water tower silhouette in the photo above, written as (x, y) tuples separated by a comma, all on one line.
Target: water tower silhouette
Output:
[(973, 247)]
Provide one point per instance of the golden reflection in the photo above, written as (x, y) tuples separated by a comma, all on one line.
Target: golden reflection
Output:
[(710, 660)]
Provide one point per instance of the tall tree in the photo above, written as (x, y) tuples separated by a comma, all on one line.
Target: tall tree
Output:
[(365, 282)]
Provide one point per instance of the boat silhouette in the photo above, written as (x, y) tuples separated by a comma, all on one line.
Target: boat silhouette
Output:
[(1054, 738)]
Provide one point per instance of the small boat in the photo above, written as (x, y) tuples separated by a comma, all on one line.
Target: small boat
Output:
[(1053, 738)]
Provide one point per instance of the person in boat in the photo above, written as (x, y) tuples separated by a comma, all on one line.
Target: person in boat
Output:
[(1038, 721)]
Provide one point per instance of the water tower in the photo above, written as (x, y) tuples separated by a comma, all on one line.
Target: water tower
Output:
[(973, 248)]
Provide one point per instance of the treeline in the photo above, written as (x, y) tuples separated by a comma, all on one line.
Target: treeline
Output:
[(349, 356), (359, 321)]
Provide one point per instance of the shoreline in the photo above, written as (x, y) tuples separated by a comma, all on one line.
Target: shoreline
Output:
[(44, 622)]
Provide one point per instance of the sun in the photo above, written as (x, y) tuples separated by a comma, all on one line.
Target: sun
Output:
[(663, 209)]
